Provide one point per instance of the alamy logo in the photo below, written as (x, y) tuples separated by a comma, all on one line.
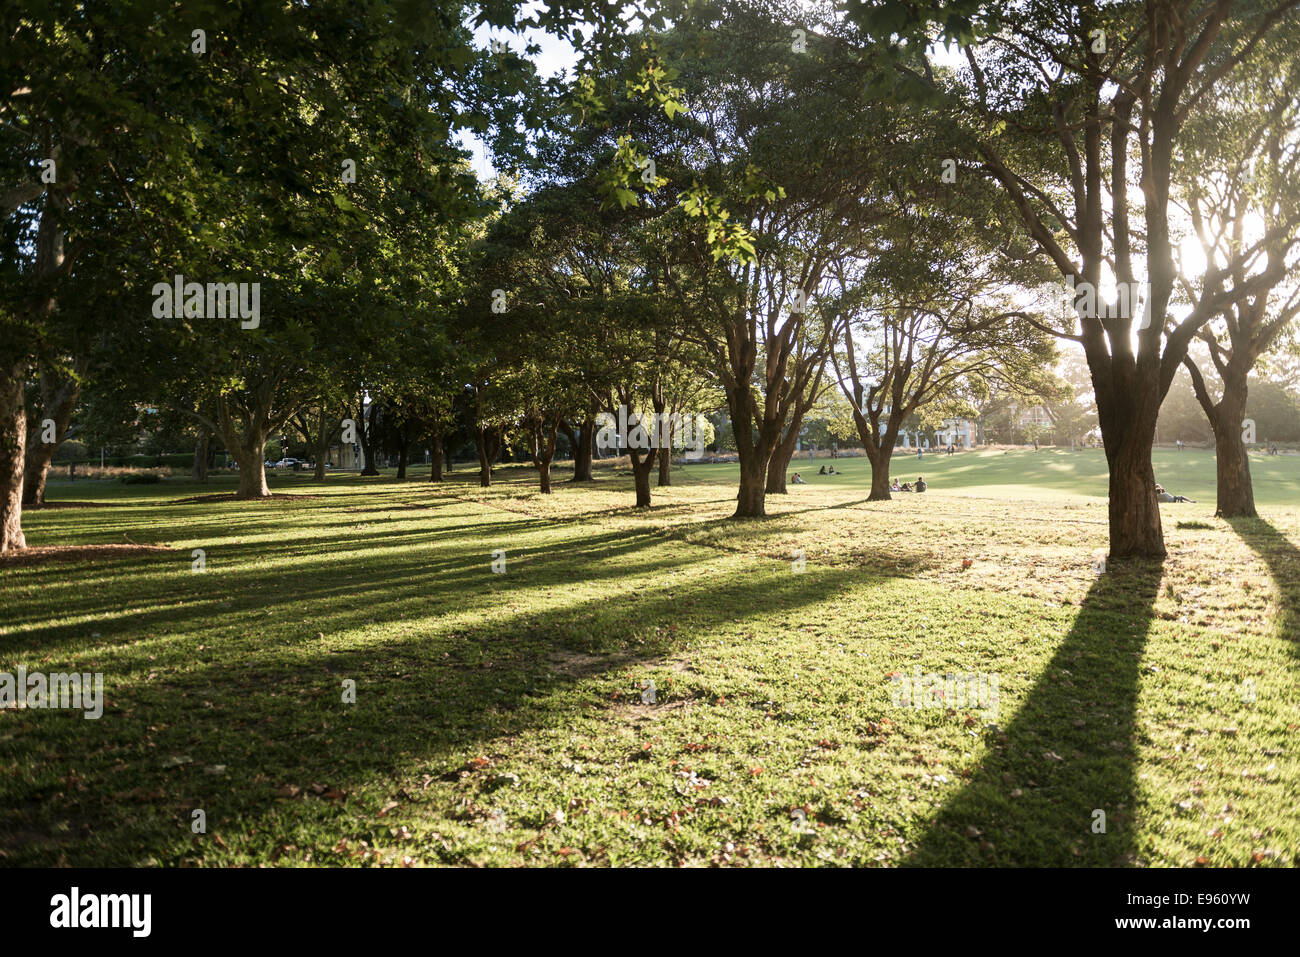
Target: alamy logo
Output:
[(1130, 298), (215, 300), (75, 910), (663, 432), (946, 691), (54, 691)]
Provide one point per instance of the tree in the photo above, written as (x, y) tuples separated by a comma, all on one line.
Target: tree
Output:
[(1078, 113), (1241, 168), (775, 168), (222, 146), (931, 322)]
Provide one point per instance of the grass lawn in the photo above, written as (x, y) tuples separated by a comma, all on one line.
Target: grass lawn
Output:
[(1049, 474), (499, 718)]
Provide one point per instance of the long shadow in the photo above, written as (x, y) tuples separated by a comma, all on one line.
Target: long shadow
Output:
[(1282, 557), (366, 590), (1068, 752), (425, 704)]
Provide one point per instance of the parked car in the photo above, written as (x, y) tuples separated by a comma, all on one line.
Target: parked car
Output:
[(291, 463)]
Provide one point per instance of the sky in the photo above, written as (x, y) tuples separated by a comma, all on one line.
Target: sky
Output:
[(556, 55)]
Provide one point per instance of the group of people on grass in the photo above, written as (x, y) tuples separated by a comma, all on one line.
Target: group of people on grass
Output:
[(921, 485)]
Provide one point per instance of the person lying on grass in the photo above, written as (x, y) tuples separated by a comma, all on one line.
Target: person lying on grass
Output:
[(1163, 496)]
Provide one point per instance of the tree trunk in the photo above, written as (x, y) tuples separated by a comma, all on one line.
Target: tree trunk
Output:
[(641, 478), (543, 434), (252, 473), (435, 468), (778, 467), (322, 446), (880, 460), (582, 451), (1235, 496), (58, 400), (488, 444), (199, 469), (36, 468), (666, 464), (366, 437), (13, 445), (249, 450), (776, 475), (403, 453), (1135, 529), (783, 452), (752, 497)]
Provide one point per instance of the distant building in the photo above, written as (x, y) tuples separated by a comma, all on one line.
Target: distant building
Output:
[(345, 456), (959, 432)]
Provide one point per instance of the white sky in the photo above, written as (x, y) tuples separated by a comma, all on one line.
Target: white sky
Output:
[(556, 55)]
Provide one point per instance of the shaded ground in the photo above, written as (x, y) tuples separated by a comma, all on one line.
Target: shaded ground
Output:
[(40, 554)]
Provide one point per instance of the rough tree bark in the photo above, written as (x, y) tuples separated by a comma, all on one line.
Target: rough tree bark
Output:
[(581, 442), (880, 453), (322, 445), (435, 468), (58, 400), (1235, 495), (366, 438), (488, 444), (13, 442), (248, 447), (542, 435), (1135, 527), (666, 455), (199, 468), (403, 453)]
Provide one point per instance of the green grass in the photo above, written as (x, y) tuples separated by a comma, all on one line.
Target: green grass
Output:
[(1048, 474), (498, 718)]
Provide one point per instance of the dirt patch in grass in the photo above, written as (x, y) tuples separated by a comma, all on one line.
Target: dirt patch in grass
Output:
[(575, 664), (637, 712), (40, 554)]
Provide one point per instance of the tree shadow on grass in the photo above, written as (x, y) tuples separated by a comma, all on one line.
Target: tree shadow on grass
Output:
[(1282, 557), (1068, 751), (350, 588), (231, 736)]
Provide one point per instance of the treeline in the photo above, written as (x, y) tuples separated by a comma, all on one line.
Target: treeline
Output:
[(265, 224)]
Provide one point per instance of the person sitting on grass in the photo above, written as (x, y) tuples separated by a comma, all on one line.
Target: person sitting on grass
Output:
[(907, 487), (832, 471), (895, 487), (920, 484), (822, 470), (1163, 496), (798, 479)]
